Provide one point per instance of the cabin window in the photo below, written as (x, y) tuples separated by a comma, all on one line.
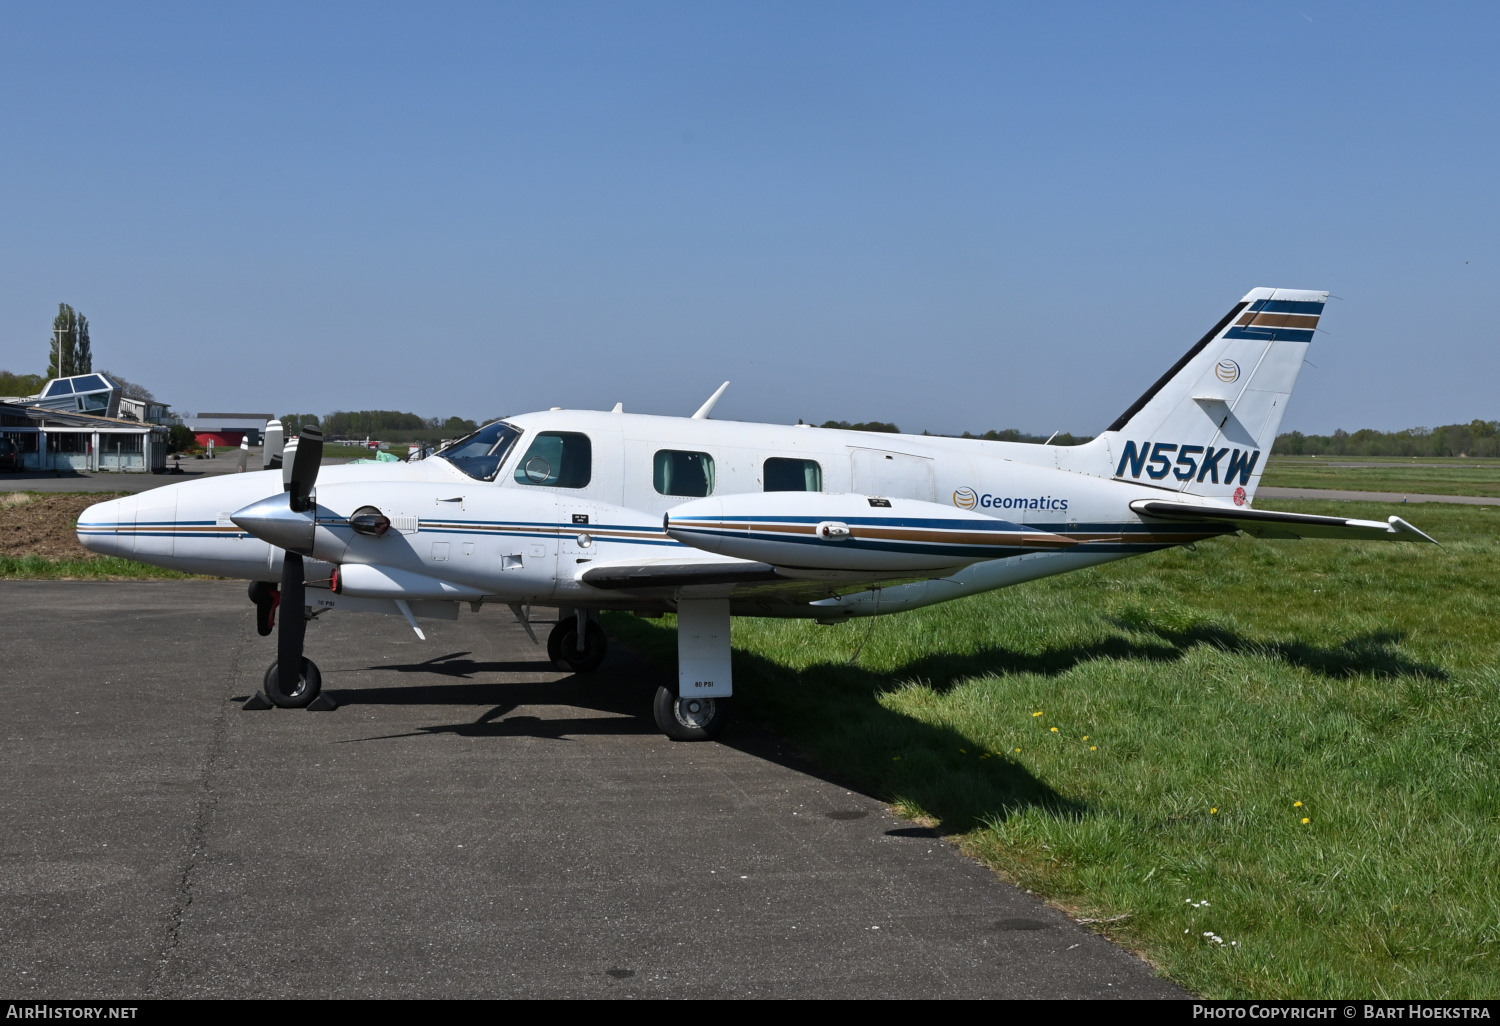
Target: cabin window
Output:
[(62, 386), (479, 455), (683, 473), (559, 459), (782, 475)]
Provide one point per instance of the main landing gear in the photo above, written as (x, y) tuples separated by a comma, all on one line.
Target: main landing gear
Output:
[(697, 707), (565, 651), (691, 718)]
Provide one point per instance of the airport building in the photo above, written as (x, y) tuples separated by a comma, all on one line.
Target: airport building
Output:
[(85, 423), (227, 430)]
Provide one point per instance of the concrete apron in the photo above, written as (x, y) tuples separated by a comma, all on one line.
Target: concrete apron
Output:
[(469, 823)]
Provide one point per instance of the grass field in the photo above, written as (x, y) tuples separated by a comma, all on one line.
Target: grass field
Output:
[(1286, 746), (99, 568), (1452, 477)]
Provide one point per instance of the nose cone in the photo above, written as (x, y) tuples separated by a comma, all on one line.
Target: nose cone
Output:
[(272, 520), (108, 528)]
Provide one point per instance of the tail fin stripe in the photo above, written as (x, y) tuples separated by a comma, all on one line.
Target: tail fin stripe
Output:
[(1203, 342), (1273, 320), (1265, 335), (1286, 306)]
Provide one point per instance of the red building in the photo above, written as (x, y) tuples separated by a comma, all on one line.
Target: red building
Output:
[(227, 430)]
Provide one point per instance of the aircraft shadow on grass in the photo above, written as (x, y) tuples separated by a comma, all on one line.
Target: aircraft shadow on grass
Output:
[(963, 793)]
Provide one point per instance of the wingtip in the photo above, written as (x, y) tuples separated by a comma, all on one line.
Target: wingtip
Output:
[(1401, 525)]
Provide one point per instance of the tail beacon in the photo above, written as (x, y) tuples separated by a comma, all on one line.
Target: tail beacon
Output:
[(1206, 428)]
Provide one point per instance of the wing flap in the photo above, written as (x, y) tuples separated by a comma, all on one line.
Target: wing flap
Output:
[(1264, 523), (677, 575)]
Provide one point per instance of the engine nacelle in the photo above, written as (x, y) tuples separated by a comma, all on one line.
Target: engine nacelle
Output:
[(819, 531), (363, 581)]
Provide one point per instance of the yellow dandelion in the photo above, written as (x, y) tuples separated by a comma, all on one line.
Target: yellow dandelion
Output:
[(1017, 749), (1296, 805), (1306, 820), (1213, 812), (1085, 737), (1036, 714), (1093, 748), (1054, 730)]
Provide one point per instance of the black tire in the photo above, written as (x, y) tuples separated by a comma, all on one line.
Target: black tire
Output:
[(567, 658), (690, 719), (309, 686)]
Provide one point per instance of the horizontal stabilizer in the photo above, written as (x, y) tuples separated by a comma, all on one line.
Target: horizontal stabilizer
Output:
[(1272, 524)]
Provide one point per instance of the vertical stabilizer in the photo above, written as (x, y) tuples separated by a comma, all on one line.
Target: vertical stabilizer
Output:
[(1206, 427)]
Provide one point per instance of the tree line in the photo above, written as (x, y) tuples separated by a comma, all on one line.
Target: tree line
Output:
[(1008, 435), (1476, 438), (70, 351), (386, 425)]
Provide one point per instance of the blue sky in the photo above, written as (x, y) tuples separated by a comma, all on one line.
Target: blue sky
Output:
[(953, 216)]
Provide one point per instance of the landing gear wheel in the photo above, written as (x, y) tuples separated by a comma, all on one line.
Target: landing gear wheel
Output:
[(562, 647), (306, 688), (689, 719)]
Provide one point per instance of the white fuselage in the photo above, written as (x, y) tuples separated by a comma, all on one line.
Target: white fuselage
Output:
[(457, 538)]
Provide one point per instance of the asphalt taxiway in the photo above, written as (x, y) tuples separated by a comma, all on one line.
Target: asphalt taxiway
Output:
[(468, 823), (177, 472)]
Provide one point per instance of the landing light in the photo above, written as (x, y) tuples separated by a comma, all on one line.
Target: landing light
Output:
[(370, 521)]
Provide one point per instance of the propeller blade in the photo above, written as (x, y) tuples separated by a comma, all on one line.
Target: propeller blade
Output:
[(300, 473), (292, 630), (274, 443)]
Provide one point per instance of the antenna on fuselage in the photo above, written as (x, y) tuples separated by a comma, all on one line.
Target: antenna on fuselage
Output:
[(707, 408), (619, 408)]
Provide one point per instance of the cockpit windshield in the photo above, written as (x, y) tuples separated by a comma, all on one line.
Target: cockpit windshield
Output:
[(480, 454)]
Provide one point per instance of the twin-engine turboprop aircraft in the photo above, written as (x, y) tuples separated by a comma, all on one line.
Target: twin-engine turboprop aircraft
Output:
[(590, 511)]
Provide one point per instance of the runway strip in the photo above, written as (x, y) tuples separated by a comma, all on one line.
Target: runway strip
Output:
[(470, 823), (1351, 496)]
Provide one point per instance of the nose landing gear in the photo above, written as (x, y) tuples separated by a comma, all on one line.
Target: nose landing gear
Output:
[(286, 691), (297, 694)]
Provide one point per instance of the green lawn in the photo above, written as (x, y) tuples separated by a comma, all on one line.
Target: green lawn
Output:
[(1458, 477), (101, 568), (1133, 741)]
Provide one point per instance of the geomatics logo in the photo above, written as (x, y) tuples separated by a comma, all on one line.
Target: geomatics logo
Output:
[(1227, 370), (965, 498)]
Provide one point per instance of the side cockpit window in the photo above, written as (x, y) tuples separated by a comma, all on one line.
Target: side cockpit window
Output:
[(559, 459), (675, 472), (479, 455), (783, 475)]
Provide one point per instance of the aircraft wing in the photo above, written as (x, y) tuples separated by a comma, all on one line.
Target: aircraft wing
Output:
[(1264, 523)]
